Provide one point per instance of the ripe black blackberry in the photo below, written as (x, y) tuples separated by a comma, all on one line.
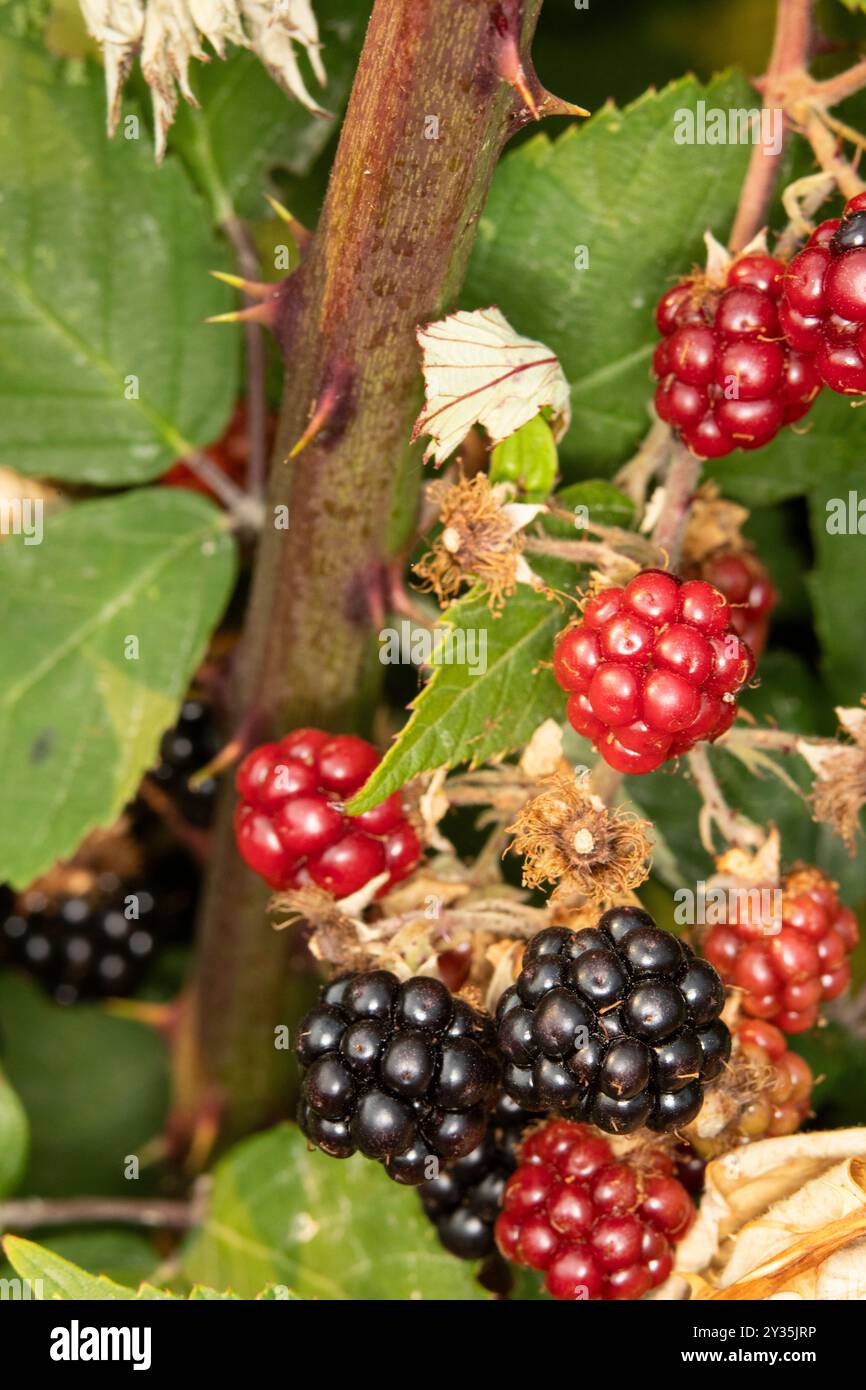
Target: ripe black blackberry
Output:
[(99, 943), (189, 745), (617, 1024), (465, 1199), (402, 1072)]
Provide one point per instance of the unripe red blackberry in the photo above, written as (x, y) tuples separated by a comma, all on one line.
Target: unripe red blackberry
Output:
[(403, 1072), (652, 669), (727, 378), (616, 1024), (786, 969), (748, 588), (600, 1228), (782, 1099), (465, 1199), (823, 307), (291, 825)]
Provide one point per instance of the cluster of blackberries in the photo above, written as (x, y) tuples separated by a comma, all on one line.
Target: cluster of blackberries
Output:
[(728, 379), (599, 1228), (99, 943), (787, 968), (189, 745), (616, 1024), (823, 307), (465, 1198), (291, 824), (652, 669), (402, 1072)]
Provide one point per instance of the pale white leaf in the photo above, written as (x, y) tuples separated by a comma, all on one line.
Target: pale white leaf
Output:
[(479, 371)]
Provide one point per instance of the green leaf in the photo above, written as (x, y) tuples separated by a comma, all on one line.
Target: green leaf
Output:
[(838, 1060), (14, 1138), (107, 370), (94, 1088), (119, 1253), (528, 458), (50, 1276), (247, 126), (280, 1214), (620, 186), (81, 710), (465, 718), (604, 505), (838, 586), (830, 438)]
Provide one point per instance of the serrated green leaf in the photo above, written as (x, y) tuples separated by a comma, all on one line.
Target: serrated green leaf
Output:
[(528, 458), (81, 711), (94, 1088), (107, 370), (246, 125), (14, 1138), (328, 1229), (49, 1276), (118, 1252), (465, 718), (620, 186), (837, 584)]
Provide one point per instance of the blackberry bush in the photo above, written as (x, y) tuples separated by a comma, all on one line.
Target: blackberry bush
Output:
[(402, 1072), (652, 669), (617, 1024), (459, 384), (600, 1228)]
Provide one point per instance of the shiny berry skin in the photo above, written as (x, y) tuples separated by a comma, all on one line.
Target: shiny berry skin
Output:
[(655, 667), (599, 1228), (722, 365), (406, 1069), (824, 302), (604, 1023), (749, 590), (344, 763), (465, 1199), (291, 825), (786, 969)]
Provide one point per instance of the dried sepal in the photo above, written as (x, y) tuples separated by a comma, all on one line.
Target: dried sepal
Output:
[(839, 790), (574, 841), (714, 524), (169, 33), (480, 541)]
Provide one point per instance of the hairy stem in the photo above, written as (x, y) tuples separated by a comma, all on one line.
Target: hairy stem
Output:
[(681, 480), (427, 117)]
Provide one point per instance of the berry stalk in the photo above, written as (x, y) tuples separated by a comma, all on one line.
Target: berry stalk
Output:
[(439, 88)]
